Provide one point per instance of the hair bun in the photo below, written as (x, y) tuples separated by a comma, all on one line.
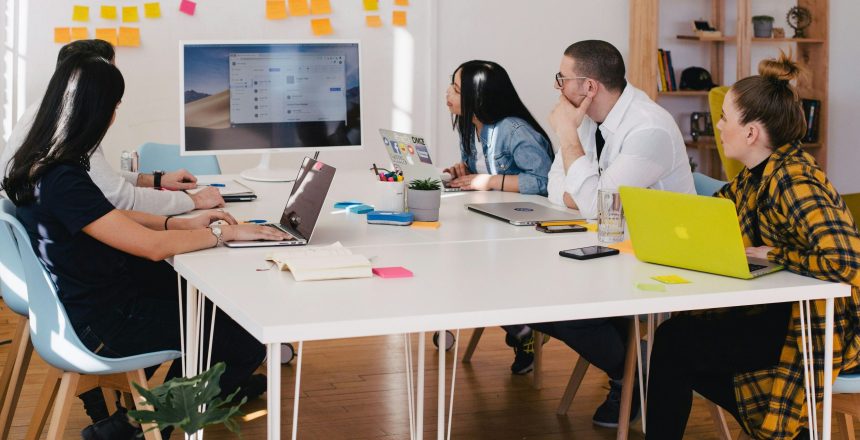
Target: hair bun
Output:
[(780, 69)]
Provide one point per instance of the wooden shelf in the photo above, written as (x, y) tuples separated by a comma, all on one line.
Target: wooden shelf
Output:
[(703, 142), (789, 40), (684, 93), (722, 39)]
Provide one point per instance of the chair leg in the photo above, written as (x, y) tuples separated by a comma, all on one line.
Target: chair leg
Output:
[(627, 384), (572, 385), (43, 407), (140, 377), (110, 399), (14, 373), (846, 425), (720, 422), (537, 376), (63, 405), (473, 344)]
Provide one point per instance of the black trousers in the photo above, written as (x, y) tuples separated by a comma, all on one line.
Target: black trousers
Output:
[(602, 342), (693, 353)]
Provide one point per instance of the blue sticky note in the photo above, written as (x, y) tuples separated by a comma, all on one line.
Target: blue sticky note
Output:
[(347, 204), (360, 209)]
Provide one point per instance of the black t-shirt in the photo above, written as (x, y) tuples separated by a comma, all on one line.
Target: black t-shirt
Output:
[(90, 275)]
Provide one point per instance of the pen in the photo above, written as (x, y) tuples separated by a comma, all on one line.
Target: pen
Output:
[(375, 170), (217, 185)]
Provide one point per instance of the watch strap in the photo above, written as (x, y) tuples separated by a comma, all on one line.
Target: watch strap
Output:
[(156, 179)]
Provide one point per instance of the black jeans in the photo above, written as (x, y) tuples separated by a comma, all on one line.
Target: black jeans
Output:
[(602, 342), (692, 353)]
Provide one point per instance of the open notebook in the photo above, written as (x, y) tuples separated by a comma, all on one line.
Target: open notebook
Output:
[(314, 263)]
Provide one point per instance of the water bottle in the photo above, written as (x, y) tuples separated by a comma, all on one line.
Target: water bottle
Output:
[(125, 161)]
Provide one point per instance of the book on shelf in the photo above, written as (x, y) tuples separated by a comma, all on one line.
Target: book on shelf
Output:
[(811, 111), (674, 85), (314, 263), (662, 71), (666, 71)]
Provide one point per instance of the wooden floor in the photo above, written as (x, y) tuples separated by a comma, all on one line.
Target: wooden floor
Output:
[(356, 389)]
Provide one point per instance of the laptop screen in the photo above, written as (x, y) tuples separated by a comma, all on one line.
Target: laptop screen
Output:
[(307, 197)]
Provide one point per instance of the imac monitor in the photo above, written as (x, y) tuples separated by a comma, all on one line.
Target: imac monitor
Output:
[(265, 97)]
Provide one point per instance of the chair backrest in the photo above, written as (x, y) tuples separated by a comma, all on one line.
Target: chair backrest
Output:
[(715, 98), (706, 185), (13, 285), (165, 157)]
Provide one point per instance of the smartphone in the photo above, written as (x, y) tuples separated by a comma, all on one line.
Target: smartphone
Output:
[(561, 228), (587, 253)]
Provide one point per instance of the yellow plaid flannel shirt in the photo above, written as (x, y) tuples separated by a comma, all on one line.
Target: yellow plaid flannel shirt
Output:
[(802, 216)]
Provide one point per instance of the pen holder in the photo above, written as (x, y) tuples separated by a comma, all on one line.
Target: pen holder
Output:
[(389, 196)]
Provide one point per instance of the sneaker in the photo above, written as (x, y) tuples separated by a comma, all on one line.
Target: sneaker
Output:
[(118, 427), (524, 352), (607, 413)]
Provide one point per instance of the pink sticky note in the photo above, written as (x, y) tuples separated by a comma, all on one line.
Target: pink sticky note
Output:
[(187, 7), (392, 272)]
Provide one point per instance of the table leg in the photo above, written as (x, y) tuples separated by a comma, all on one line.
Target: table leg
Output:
[(298, 383), (627, 384), (440, 416), (640, 366), (419, 422), (192, 346), (808, 371), (273, 391), (828, 367), (410, 389)]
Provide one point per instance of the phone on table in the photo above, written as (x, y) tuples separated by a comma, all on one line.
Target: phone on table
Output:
[(589, 252), (552, 229)]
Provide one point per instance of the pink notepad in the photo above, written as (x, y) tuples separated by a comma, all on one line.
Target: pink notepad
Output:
[(392, 272)]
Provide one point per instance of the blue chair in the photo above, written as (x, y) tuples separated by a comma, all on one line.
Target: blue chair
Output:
[(57, 343), (706, 185), (165, 157)]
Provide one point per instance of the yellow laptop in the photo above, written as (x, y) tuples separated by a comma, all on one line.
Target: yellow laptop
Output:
[(688, 231)]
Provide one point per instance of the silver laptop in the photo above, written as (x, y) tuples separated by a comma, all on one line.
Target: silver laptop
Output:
[(523, 213), (410, 155), (303, 206)]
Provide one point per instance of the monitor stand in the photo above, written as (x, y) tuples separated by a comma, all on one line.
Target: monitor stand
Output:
[(265, 173)]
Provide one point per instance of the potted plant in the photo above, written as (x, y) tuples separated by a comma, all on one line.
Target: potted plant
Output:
[(423, 198), (762, 26)]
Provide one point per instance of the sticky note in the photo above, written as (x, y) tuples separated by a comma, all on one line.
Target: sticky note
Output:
[(81, 13), (129, 37), (107, 34), (401, 2), (426, 225), (319, 7), (592, 227), (398, 18), (651, 287), (187, 7), (299, 8), (392, 272), (671, 279), (346, 204), (276, 9), (371, 5), (321, 26), (152, 10), (626, 246), (373, 21), (129, 14), (359, 209), (62, 35), (80, 33), (108, 12)]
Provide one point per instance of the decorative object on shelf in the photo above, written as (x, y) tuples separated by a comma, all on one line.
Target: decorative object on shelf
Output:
[(811, 110), (799, 18), (696, 78), (762, 26), (778, 32), (704, 29), (700, 125), (423, 198)]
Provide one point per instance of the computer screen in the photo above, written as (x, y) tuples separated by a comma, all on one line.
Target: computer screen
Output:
[(254, 97)]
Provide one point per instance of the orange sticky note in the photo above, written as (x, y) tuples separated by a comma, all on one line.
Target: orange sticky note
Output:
[(152, 10), (62, 35), (80, 33), (321, 26), (398, 18), (107, 34), (299, 8), (319, 7), (109, 12), (374, 21), (276, 9), (371, 5), (129, 14), (401, 2), (625, 246), (129, 37), (81, 13)]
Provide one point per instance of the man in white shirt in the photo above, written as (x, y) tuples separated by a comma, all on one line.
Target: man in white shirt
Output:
[(126, 190)]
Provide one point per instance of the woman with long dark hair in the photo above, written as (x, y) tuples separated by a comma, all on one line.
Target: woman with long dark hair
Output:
[(501, 144)]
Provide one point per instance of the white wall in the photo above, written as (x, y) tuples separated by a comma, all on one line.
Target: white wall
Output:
[(843, 162)]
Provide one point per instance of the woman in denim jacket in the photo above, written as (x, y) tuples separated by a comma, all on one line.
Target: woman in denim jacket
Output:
[(501, 144)]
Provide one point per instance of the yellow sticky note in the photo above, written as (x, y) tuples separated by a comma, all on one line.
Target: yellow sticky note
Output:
[(671, 279), (321, 26), (107, 34), (152, 10), (426, 225), (319, 7), (592, 227), (401, 2), (129, 37), (398, 18), (62, 35), (81, 13), (371, 5), (80, 33), (276, 9), (109, 12), (651, 287), (625, 246), (373, 21), (129, 14), (299, 8)]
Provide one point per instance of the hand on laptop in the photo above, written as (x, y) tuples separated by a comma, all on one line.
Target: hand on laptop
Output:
[(475, 182), (253, 232), (207, 198), (203, 220), (457, 170), (759, 252)]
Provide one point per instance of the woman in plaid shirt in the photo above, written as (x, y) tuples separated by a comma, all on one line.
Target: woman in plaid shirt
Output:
[(749, 360)]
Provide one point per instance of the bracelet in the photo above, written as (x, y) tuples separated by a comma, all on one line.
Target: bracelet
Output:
[(165, 221), (503, 182)]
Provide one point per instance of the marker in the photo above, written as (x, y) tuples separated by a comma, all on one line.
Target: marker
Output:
[(258, 221), (217, 185)]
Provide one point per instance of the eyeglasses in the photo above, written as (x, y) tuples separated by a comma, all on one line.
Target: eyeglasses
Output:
[(561, 79)]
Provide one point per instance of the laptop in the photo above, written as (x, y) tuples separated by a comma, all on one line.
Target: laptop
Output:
[(523, 213), (303, 206), (688, 231), (410, 155)]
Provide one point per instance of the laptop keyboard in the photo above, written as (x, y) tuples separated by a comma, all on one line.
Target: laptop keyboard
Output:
[(755, 267), (282, 229)]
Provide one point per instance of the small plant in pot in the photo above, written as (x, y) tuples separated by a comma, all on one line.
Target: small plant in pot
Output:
[(762, 26), (423, 198)]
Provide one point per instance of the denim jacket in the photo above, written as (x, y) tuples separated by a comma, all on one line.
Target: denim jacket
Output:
[(512, 146)]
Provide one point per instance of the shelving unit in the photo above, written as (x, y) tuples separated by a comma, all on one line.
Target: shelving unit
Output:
[(812, 51)]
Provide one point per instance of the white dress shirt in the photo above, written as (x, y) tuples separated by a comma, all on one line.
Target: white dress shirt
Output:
[(643, 148)]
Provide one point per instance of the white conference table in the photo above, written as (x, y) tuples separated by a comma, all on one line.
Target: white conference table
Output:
[(504, 275)]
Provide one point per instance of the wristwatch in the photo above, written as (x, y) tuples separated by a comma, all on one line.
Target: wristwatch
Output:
[(156, 179), (216, 231)]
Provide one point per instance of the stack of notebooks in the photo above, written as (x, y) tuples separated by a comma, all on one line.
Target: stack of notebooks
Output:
[(315, 263), (666, 78), (231, 190)]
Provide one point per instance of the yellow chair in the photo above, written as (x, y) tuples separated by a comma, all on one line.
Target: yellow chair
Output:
[(715, 99), (853, 202)]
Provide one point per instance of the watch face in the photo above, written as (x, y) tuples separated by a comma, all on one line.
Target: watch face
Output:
[(216, 230)]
